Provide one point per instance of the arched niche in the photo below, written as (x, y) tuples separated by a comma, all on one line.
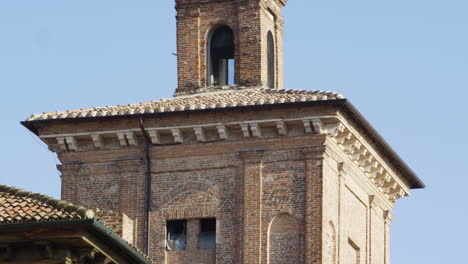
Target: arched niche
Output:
[(283, 240)]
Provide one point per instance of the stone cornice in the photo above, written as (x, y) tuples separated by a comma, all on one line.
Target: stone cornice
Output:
[(350, 173), (363, 155), (355, 146)]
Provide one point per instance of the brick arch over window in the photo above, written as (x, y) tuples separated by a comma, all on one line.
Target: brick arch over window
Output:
[(189, 187), (283, 240)]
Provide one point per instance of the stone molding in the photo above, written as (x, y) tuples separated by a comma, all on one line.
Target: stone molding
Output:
[(346, 138), (128, 137), (362, 154)]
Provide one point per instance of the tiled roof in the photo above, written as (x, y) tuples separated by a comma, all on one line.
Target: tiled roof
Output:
[(21, 206), (218, 98)]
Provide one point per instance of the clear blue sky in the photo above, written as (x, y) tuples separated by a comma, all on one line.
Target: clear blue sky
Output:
[(404, 64)]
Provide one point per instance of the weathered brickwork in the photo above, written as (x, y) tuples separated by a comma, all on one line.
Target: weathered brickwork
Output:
[(114, 184), (287, 176), (250, 21), (245, 181), (119, 223), (283, 240)]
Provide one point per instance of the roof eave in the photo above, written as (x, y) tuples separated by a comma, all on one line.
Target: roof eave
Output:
[(31, 124), (410, 175), (414, 180), (90, 224)]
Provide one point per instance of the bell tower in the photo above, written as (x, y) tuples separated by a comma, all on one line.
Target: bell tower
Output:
[(229, 43)]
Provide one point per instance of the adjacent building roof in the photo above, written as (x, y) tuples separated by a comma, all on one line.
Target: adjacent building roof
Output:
[(28, 209), (218, 98), (21, 206)]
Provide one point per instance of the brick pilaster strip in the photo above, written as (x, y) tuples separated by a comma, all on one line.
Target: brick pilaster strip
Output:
[(314, 202), (252, 240), (69, 176)]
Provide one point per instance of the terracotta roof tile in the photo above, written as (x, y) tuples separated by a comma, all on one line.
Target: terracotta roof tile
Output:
[(215, 98), (20, 206)]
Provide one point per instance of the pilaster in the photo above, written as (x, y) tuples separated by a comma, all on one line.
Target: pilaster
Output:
[(253, 190), (69, 175), (388, 218), (314, 201), (132, 194)]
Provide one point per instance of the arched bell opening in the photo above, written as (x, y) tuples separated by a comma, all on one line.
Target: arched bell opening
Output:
[(220, 57), (271, 60)]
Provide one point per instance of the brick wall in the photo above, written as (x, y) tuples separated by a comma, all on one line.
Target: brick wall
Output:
[(245, 183), (192, 182), (119, 223), (250, 21), (200, 180), (283, 240)]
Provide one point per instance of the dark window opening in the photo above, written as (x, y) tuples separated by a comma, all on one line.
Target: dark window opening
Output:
[(207, 236), (176, 235), (221, 57), (271, 60)]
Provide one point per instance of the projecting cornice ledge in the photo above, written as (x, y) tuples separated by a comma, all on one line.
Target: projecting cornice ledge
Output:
[(364, 157)]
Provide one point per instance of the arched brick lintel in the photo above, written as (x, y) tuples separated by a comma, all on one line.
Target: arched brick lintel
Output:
[(180, 189)]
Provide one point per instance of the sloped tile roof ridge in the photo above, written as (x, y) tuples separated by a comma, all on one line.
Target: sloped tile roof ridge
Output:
[(207, 91), (17, 205), (206, 98)]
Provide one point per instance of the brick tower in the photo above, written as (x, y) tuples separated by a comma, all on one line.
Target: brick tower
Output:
[(234, 169), (241, 38)]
